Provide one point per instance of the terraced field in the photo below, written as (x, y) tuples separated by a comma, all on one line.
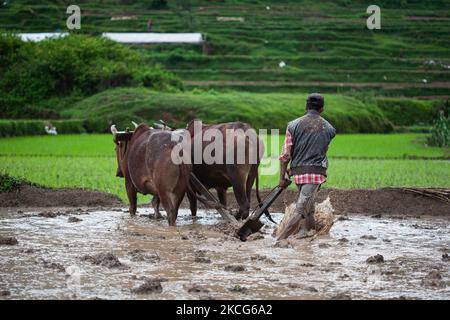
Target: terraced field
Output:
[(325, 45)]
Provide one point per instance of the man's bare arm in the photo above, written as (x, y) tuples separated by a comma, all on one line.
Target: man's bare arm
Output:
[(283, 169)]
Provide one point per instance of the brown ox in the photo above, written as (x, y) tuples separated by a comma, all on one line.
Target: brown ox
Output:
[(144, 160), (222, 176)]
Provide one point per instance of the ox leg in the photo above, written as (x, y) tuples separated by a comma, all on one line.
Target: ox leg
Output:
[(241, 198), (192, 203), (171, 208), (155, 204), (250, 180), (222, 194), (132, 196)]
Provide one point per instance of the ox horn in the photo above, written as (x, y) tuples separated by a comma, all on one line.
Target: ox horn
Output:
[(113, 129), (135, 124)]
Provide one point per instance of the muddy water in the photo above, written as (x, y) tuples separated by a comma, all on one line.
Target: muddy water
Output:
[(198, 260)]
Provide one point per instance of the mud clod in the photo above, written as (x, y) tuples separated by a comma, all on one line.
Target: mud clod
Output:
[(49, 214), (149, 286), (445, 257), (375, 259), (8, 241), (368, 237), (341, 296), (52, 265), (343, 240), (74, 220), (138, 255), (225, 228), (433, 279), (255, 236), (202, 260), (259, 257), (308, 265), (103, 259), (200, 257), (283, 244), (197, 289), (197, 235), (5, 293), (235, 268), (434, 275), (238, 288)]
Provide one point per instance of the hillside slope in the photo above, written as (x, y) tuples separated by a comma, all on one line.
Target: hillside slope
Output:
[(324, 44)]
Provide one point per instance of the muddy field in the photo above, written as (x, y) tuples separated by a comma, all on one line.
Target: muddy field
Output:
[(98, 252)]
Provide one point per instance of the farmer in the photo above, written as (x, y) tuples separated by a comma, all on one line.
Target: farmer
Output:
[(305, 147)]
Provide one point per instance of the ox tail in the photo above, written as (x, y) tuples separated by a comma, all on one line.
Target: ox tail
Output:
[(257, 173), (257, 186)]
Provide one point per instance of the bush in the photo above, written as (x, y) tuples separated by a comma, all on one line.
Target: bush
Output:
[(8, 183), (9, 128), (74, 65), (159, 79), (440, 133), (407, 112), (158, 4)]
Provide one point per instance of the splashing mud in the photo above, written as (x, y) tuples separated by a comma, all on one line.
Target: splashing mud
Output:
[(109, 255)]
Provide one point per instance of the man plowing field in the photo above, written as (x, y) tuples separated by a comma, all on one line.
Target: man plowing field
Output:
[(305, 147)]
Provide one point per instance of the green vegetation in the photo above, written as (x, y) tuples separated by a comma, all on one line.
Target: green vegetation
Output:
[(272, 111), (40, 79), (99, 173), (325, 45), (71, 145), (322, 41), (408, 112), (386, 146), (12, 127), (440, 133), (389, 80), (88, 161), (8, 183)]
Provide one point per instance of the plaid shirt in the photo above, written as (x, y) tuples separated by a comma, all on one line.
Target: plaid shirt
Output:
[(307, 178)]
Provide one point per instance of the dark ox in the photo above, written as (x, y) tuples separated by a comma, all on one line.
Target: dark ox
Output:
[(144, 160), (222, 176)]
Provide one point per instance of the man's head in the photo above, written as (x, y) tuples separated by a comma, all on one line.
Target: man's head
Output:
[(315, 101), (121, 140)]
